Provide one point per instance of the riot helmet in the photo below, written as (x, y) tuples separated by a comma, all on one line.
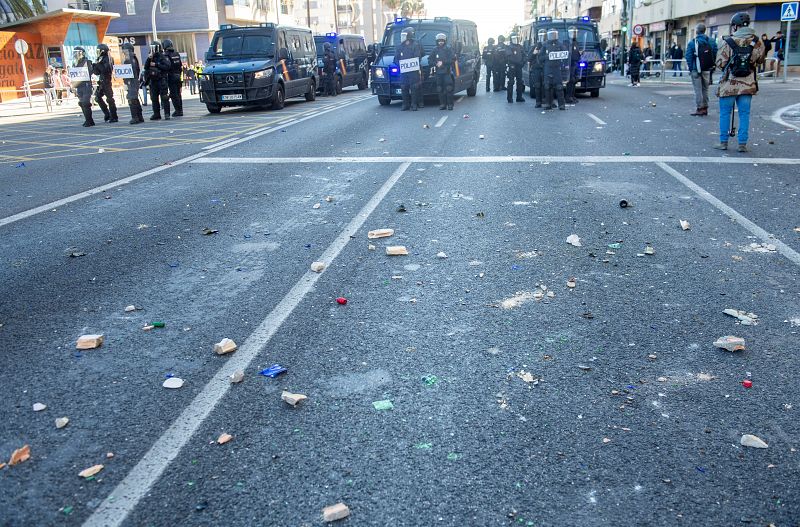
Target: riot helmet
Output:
[(101, 49), (155, 47), (326, 46), (441, 39), (541, 35), (552, 34), (127, 50), (408, 34), (740, 19), (490, 41), (78, 54), (573, 33), (501, 39), (168, 45), (514, 39)]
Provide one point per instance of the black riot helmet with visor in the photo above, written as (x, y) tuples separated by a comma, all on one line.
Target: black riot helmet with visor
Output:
[(102, 49), (513, 39), (155, 47), (408, 34), (573, 33), (541, 35), (552, 34), (168, 45), (78, 54), (127, 50), (441, 39)]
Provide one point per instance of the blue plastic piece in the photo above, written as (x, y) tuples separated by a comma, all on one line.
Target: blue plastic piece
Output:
[(273, 371)]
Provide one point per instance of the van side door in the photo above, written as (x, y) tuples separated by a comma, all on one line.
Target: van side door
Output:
[(286, 66), (308, 67)]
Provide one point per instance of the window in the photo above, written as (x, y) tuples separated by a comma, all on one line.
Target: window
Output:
[(130, 7), (164, 5)]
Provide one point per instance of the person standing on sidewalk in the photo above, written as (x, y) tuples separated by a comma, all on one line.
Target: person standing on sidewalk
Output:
[(635, 63), (767, 48), (701, 54), (738, 58), (780, 46)]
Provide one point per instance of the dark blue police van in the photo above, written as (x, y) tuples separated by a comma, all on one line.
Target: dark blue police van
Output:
[(351, 65), (259, 66), (462, 36), (592, 67)]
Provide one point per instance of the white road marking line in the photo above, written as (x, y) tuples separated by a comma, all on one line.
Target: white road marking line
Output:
[(597, 119), (782, 248), (441, 122), (148, 470), (130, 179), (460, 99), (258, 131), (776, 117), (505, 159), (225, 142)]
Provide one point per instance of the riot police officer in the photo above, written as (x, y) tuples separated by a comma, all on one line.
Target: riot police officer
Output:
[(488, 59), (442, 59), (83, 89), (537, 69), (132, 85), (156, 70), (552, 70), (515, 58), (104, 69), (329, 70), (410, 81), (499, 64), (574, 61), (174, 77)]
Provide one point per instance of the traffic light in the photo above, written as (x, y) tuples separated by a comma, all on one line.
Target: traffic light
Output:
[(624, 29)]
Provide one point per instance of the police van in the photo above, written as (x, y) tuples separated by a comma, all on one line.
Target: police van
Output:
[(591, 68), (351, 70), (462, 37), (259, 66)]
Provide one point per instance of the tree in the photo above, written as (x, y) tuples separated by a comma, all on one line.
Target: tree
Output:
[(411, 8)]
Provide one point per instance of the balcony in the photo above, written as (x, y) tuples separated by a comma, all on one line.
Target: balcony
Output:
[(86, 5)]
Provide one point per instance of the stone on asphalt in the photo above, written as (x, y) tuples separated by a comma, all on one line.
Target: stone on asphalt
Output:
[(730, 343), (335, 512), (173, 383), (396, 250), (745, 318), (86, 342), (224, 346), (61, 422), (574, 240), (38, 407), (380, 233), (91, 471), (318, 267), (236, 377), (752, 441), (19, 455), (130, 308), (224, 438), (685, 225), (292, 398)]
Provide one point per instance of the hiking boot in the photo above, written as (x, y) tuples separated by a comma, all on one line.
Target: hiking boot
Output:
[(721, 146), (742, 148)]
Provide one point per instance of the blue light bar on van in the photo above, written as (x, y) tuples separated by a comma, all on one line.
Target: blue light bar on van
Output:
[(441, 19), (584, 19), (330, 35), (394, 70), (399, 20), (581, 64), (228, 26), (267, 24), (545, 18)]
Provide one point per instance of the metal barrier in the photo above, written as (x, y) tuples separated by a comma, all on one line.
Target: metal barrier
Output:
[(651, 70), (684, 68), (31, 97), (769, 68)]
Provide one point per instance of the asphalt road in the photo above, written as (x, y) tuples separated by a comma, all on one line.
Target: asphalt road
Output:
[(602, 404)]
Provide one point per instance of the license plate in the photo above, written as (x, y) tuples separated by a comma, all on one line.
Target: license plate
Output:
[(232, 97), (398, 91)]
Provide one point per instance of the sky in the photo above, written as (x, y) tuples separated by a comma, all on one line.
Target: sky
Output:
[(494, 17)]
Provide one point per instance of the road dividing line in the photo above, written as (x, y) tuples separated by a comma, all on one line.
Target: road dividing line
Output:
[(221, 143), (441, 122), (597, 119), (766, 237), (776, 117), (130, 179), (149, 469)]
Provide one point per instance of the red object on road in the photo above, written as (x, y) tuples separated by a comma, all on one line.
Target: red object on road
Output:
[(341, 300), (747, 383)]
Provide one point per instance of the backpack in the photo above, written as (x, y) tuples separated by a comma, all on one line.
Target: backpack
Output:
[(740, 64), (705, 56)]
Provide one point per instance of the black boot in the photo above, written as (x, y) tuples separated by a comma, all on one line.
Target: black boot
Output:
[(88, 120), (112, 108)]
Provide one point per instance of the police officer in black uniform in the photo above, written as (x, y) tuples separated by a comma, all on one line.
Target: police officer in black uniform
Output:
[(553, 78), (537, 69), (132, 85), (329, 70), (83, 89), (488, 59), (515, 58), (156, 69), (174, 77), (411, 80), (499, 64), (442, 60), (574, 61), (104, 69)]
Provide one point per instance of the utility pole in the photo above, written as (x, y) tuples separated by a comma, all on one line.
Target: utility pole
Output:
[(308, 12), (336, 16)]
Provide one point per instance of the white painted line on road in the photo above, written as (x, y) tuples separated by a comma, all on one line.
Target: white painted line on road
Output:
[(766, 237), (225, 142), (460, 99), (505, 159), (441, 122), (258, 131), (130, 179), (776, 117), (149, 469), (597, 119)]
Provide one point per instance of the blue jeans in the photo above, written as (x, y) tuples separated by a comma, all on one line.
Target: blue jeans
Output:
[(725, 109)]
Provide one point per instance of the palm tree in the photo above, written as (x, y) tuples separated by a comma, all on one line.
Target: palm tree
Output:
[(411, 8)]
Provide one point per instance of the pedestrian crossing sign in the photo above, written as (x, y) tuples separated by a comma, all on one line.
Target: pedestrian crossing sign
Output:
[(789, 11)]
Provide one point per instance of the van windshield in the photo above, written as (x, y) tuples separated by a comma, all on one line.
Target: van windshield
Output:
[(587, 36), (320, 42), (238, 44), (425, 35)]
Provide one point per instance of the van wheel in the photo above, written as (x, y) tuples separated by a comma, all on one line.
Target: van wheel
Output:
[(473, 88), (362, 84), (595, 92), (311, 94), (338, 85), (279, 99), (213, 108), (384, 101)]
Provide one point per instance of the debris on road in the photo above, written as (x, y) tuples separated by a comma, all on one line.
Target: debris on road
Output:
[(316, 206), (148, 327), (329, 199), (730, 343), (335, 512), (624, 204), (430, 380), (685, 225), (273, 371), (236, 377), (341, 301), (91, 471), (224, 438), (528, 377), (109, 455), (76, 254), (20, 455), (481, 136), (705, 377), (747, 383), (396, 250), (38, 407), (380, 233), (370, 247), (318, 267), (61, 422), (441, 255), (574, 240), (208, 232), (752, 441), (745, 318), (224, 346), (649, 250), (517, 300), (87, 342), (584, 367), (383, 405), (173, 383), (758, 248), (572, 283), (293, 398)]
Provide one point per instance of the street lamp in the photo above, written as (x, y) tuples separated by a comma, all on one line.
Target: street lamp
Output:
[(153, 19)]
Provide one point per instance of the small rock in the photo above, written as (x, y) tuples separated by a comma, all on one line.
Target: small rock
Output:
[(571, 283), (224, 438), (293, 398), (236, 377), (370, 247), (606, 440), (224, 346), (329, 199), (662, 379), (649, 250), (38, 407), (745, 318), (481, 136), (396, 250), (441, 255), (109, 455), (380, 233), (19, 455), (91, 471), (130, 308), (173, 383), (316, 206), (318, 267), (574, 240), (335, 512), (61, 422), (730, 343), (685, 225), (752, 441), (584, 367), (86, 342)]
